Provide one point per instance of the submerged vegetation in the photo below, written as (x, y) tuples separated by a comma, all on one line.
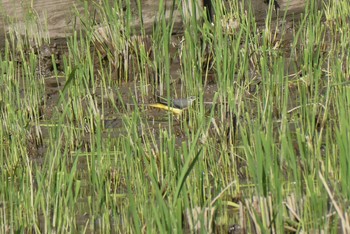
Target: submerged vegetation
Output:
[(263, 149)]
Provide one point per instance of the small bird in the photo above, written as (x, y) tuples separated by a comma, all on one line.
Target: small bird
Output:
[(175, 105), (180, 103)]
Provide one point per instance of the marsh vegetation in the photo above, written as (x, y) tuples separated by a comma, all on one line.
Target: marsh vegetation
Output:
[(263, 149)]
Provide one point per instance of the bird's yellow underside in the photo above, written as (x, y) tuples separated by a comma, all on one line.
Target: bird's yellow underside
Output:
[(176, 111)]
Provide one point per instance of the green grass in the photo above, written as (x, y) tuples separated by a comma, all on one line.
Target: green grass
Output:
[(265, 147)]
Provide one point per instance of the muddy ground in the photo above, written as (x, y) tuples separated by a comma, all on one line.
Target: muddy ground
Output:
[(129, 91)]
